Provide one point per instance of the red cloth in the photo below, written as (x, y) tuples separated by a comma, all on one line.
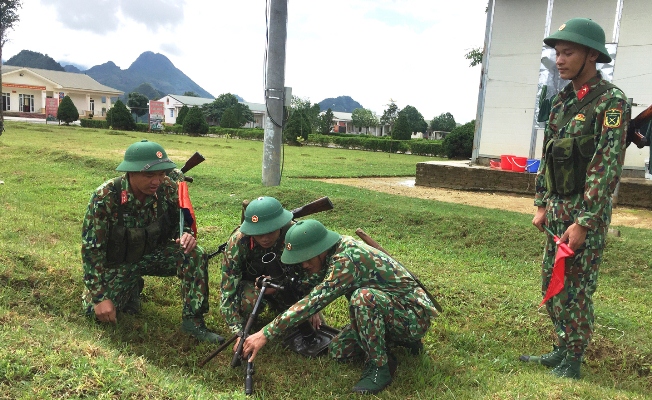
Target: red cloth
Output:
[(186, 207), (558, 271)]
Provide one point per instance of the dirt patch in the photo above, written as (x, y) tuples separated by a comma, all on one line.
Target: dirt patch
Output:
[(405, 187)]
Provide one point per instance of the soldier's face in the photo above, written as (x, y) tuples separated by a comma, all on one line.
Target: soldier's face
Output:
[(145, 183), (570, 58), (314, 264), (267, 240)]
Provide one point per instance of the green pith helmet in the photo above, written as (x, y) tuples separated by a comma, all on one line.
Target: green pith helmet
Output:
[(582, 31), (264, 215), (145, 156), (307, 239)]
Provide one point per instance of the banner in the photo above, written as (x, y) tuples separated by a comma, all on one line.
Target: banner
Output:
[(51, 108), (156, 115)]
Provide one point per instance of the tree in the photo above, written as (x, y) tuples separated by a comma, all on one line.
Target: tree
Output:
[(191, 94), (213, 111), (298, 126), (310, 111), (459, 143), (120, 118), (474, 56), (229, 119), (183, 111), (363, 118), (67, 111), (415, 120), (325, 122), (242, 114), (138, 103), (8, 17), (389, 115), (444, 123), (401, 130), (194, 123)]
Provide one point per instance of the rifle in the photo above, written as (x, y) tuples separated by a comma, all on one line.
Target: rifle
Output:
[(192, 162), (368, 240), (634, 130), (319, 205)]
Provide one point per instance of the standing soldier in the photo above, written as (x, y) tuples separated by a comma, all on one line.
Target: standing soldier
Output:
[(131, 229), (262, 231), (385, 302), (584, 148)]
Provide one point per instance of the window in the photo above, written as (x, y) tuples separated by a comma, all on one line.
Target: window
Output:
[(6, 101), (26, 103), (92, 107), (171, 112)]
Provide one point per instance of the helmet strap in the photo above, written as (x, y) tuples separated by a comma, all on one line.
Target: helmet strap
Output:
[(586, 57)]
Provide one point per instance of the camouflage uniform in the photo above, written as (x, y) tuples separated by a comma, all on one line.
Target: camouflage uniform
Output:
[(241, 265), (571, 311), (120, 282), (385, 303)]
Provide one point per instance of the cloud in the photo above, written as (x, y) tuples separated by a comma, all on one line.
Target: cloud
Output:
[(154, 14)]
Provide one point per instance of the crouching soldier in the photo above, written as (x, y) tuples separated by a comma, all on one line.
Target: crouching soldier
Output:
[(131, 229), (385, 302)]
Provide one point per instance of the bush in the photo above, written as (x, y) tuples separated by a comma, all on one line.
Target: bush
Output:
[(459, 143), (426, 147), (93, 123), (183, 111), (194, 123), (120, 118), (297, 128), (67, 111)]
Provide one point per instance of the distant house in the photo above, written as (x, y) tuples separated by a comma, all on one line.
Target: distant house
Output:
[(173, 103), (343, 123), (25, 90)]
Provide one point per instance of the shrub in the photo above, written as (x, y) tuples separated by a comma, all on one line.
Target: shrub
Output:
[(120, 118), (459, 143), (183, 111), (93, 123), (194, 123), (67, 111)]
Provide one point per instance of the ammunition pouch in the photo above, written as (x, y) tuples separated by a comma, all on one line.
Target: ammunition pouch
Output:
[(131, 244), (567, 161)]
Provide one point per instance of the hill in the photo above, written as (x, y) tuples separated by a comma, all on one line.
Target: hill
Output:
[(340, 104), (27, 58)]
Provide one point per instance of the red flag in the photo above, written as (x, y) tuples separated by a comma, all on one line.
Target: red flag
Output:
[(186, 207), (558, 270)]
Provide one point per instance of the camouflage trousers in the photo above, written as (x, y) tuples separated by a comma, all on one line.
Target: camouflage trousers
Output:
[(248, 293), (377, 318), (571, 311), (121, 281)]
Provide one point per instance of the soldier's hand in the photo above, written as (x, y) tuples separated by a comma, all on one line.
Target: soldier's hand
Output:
[(105, 311), (315, 320), (254, 343), (575, 235), (539, 218), (188, 242)]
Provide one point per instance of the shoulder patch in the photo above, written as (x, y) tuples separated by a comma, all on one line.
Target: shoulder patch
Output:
[(613, 118)]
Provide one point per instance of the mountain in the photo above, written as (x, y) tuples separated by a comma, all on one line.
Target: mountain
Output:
[(149, 91), (27, 58), (340, 104), (153, 68)]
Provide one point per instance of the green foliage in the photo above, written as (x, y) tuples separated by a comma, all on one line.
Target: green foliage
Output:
[(325, 122), (401, 129), (183, 111), (363, 118), (213, 111), (119, 117), (138, 103), (94, 123), (67, 111), (148, 91), (474, 56), (459, 143), (444, 123), (311, 112), (194, 123), (414, 119), (229, 119), (191, 94), (236, 116), (298, 127), (390, 114)]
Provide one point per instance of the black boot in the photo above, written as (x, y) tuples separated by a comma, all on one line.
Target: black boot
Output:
[(552, 359)]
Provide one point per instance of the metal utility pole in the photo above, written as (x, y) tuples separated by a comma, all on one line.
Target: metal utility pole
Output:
[(275, 92)]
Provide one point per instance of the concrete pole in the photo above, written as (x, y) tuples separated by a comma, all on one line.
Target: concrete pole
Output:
[(274, 92)]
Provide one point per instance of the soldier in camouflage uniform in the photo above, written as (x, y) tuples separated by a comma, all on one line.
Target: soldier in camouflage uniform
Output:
[(584, 148), (262, 232), (131, 229), (385, 302)]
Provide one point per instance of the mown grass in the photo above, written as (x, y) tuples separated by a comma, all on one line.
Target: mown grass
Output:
[(483, 265)]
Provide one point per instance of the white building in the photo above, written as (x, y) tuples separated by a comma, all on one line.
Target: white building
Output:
[(173, 103), (25, 90), (516, 65)]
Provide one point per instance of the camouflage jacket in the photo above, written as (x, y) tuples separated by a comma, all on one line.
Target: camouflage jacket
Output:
[(102, 214), (243, 261), (592, 207), (351, 265)]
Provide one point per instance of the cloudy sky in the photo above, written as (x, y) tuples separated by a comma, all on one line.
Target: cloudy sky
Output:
[(410, 51)]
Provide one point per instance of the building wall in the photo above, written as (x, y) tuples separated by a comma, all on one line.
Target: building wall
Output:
[(514, 60)]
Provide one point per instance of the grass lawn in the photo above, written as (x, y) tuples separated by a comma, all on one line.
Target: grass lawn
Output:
[(482, 264)]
